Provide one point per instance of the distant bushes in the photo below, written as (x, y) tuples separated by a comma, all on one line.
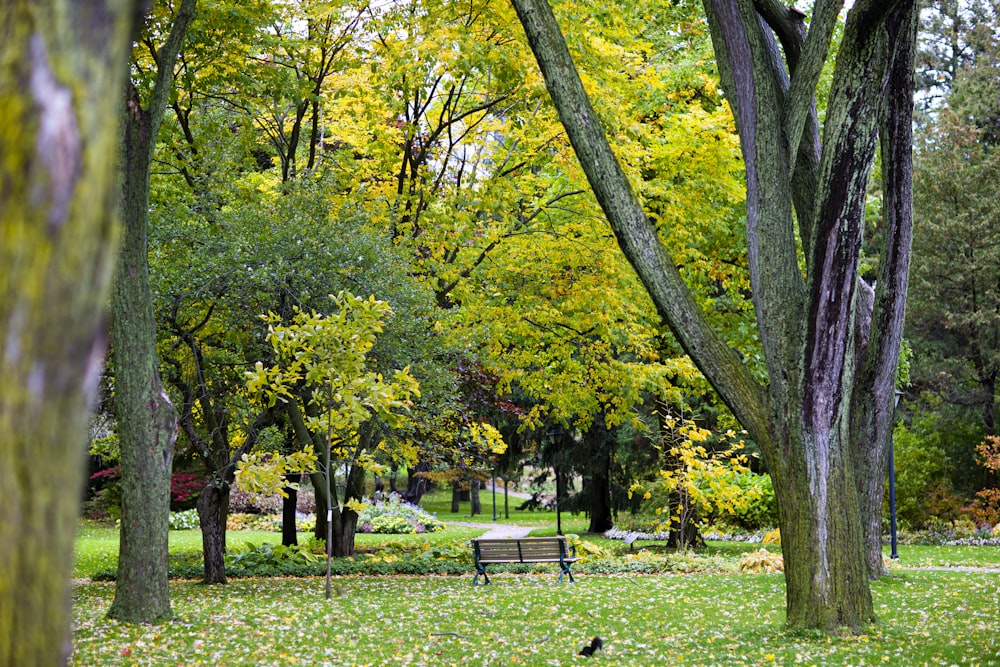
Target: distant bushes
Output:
[(395, 516)]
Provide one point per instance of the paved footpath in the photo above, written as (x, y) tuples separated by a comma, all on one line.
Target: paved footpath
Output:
[(496, 530)]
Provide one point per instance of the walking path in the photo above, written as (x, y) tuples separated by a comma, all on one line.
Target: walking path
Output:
[(499, 530), (496, 530)]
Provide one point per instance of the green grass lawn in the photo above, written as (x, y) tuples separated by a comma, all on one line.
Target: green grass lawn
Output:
[(97, 546), (439, 504), (926, 618)]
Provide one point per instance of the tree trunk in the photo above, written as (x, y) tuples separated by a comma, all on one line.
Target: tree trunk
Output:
[(147, 420), (600, 500), (456, 495), (213, 508), (289, 511), (63, 67), (322, 503), (806, 320), (826, 575), (417, 485), (345, 521), (475, 503)]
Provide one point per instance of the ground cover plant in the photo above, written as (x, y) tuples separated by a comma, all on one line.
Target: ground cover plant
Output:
[(926, 618)]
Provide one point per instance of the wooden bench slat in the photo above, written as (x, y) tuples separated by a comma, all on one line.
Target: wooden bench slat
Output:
[(523, 550)]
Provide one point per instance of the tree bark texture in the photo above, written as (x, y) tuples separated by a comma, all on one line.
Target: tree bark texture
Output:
[(147, 420), (63, 66), (830, 343), (213, 508), (475, 502)]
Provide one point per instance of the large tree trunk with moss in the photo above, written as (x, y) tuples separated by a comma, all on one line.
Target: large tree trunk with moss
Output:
[(63, 67), (830, 341), (147, 420)]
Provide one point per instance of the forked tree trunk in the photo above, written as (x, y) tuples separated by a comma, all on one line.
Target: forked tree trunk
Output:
[(63, 67), (814, 330)]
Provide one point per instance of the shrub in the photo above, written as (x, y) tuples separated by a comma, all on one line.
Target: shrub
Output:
[(758, 509), (185, 487), (266, 556), (985, 509), (761, 561), (244, 502), (186, 520), (395, 516), (184, 490), (242, 521)]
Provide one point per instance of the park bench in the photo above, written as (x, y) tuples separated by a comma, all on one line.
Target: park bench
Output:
[(523, 550)]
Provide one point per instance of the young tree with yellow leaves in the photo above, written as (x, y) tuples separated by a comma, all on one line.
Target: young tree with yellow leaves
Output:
[(338, 408)]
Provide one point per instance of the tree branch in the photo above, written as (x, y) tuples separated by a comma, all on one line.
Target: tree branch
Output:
[(635, 233)]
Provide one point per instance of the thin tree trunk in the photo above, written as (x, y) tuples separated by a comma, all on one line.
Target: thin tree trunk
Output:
[(60, 83), (506, 497)]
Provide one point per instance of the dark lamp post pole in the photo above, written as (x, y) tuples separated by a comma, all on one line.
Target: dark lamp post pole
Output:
[(557, 437), (494, 493), (892, 488)]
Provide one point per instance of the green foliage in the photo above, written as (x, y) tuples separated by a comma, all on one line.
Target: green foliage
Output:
[(264, 473), (186, 520), (268, 556), (758, 508), (699, 480), (922, 468), (394, 516), (322, 363)]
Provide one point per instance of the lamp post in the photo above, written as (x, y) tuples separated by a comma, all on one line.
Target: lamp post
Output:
[(892, 487), (557, 436), (494, 493)]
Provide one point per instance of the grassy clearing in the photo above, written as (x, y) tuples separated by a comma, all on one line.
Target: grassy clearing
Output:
[(97, 546), (937, 556), (439, 504), (926, 618)]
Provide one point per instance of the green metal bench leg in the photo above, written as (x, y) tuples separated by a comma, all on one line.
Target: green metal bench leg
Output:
[(566, 570), (481, 570)]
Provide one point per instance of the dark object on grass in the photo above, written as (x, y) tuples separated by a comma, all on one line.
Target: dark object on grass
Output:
[(595, 645), (532, 503)]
